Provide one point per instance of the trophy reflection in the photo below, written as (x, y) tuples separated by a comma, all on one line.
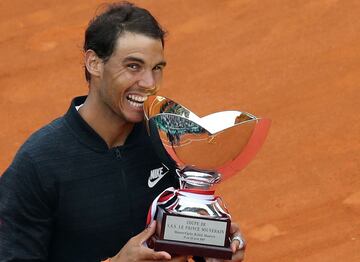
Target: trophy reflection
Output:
[(191, 220)]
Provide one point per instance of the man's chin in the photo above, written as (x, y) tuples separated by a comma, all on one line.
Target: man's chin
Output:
[(135, 118)]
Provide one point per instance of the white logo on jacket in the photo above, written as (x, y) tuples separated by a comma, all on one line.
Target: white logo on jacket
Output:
[(156, 174)]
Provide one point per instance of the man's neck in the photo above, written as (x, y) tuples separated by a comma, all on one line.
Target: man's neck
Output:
[(111, 127)]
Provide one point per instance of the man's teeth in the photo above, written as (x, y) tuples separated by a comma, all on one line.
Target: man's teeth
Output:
[(136, 98), (136, 101), (135, 104)]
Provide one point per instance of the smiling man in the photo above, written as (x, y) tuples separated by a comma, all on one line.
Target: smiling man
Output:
[(80, 187), (119, 86)]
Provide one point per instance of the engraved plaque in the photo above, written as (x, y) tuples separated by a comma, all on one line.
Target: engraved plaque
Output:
[(195, 230)]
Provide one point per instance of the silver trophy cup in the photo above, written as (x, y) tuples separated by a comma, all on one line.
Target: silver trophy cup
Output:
[(191, 220)]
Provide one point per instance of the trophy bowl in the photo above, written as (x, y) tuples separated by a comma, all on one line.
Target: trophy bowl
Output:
[(191, 220)]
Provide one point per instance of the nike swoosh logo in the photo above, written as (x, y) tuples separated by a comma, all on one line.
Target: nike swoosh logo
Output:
[(156, 175)]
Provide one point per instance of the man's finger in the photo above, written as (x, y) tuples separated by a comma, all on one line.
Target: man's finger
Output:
[(149, 254), (238, 243), (144, 235), (234, 246), (237, 240)]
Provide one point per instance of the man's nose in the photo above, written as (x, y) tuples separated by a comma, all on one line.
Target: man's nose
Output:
[(147, 80)]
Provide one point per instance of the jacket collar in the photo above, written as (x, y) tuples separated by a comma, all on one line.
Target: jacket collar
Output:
[(88, 136)]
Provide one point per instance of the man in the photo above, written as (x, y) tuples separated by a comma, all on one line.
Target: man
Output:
[(78, 188)]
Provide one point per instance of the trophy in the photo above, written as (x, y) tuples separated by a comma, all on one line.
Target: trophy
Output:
[(191, 220)]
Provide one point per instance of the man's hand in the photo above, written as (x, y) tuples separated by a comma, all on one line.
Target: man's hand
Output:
[(134, 250), (237, 247)]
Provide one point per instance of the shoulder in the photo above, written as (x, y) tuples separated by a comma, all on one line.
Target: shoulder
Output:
[(41, 152), (46, 142), (46, 135), (33, 165)]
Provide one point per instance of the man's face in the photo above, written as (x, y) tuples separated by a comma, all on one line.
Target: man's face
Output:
[(133, 72)]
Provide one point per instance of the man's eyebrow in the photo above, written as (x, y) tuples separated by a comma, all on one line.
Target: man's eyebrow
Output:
[(141, 61), (133, 59), (162, 63)]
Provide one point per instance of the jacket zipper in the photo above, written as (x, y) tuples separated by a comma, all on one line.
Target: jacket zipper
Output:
[(118, 153)]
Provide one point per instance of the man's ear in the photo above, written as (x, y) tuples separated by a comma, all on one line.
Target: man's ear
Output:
[(93, 63)]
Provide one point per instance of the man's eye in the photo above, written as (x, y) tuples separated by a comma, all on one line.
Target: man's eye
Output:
[(158, 68), (133, 66)]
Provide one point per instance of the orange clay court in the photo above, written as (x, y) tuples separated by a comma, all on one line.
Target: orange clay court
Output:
[(296, 62)]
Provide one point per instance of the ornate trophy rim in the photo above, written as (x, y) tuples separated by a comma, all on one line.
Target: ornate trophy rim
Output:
[(200, 120)]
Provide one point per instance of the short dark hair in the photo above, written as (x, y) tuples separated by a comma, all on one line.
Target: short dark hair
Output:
[(104, 29)]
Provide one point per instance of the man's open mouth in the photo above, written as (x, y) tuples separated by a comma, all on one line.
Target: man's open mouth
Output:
[(136, 100)]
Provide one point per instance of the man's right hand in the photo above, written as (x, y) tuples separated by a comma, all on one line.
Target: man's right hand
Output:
[(134, 250)]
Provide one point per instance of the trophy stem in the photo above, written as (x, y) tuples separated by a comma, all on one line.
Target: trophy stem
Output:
[(197, 179)]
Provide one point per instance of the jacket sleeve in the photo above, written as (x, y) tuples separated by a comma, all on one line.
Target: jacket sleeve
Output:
[(25, 213)]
